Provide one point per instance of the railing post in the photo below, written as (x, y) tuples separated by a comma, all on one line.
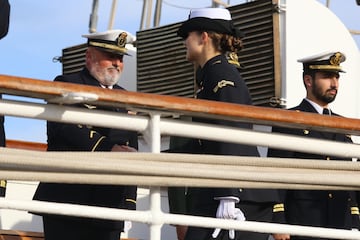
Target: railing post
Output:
[(155, 134), (155, 197)]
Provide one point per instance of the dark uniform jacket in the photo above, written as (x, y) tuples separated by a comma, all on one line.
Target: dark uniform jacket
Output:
[(4, 17), (4, 27), (2, 144), (221, 81), (336, 209), (74, 137)]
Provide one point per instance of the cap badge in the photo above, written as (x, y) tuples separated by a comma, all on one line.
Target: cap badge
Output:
[(121, 40), (335, 59)]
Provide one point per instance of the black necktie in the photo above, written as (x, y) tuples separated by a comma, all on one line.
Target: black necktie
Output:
[(326, 111), (328, 135)]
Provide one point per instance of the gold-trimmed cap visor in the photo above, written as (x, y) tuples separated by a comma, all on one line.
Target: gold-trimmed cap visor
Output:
[(326, 68), (108, 47)]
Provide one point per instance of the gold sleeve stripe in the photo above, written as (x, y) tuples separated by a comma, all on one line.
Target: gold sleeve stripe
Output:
[(3, 183), (130, 200), (355, 210), (97, 143), (279, 208)]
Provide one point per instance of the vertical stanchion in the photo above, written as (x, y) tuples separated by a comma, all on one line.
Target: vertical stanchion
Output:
[(155, 197), (155, 134)]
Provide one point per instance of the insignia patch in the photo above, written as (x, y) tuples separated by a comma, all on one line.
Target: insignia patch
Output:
[(121, 40), (223, 83), (336, 59), (233, 56), (92, 133), (234, 59)]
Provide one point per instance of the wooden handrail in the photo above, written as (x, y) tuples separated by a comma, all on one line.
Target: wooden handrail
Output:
[(20, 235), (36, 146), (49, 90)]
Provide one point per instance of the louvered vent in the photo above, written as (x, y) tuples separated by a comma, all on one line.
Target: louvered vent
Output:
[(255, 19), (73, 58), (161, 63), (163, 68)]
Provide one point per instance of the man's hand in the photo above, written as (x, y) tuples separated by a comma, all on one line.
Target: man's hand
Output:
[(122, 148), (127, 226), (227, 210), (181, 231), (281, 236)]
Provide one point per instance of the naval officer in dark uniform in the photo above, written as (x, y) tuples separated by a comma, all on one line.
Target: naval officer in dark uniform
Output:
[(4, 28), (209, 34), (4, 17), (333, 209), (104, 65)]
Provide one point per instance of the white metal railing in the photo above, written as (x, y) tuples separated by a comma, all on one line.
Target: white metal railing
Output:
[(153, 127), (156, 218), (57, 165)]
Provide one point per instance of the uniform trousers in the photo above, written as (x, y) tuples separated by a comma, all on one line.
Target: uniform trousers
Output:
[(57, 228), (261, 212)]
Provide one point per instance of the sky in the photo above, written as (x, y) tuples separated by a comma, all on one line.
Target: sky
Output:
[(40, 29)]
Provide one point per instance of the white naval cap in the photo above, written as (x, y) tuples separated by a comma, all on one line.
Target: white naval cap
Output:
[(209, 19), (113, 41), (212, 13), (325, 61)]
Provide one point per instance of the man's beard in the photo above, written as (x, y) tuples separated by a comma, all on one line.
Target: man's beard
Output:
[(106, 76), (324, 97)]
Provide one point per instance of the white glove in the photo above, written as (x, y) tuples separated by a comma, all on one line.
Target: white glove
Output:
[(127, 226), (227, 210)]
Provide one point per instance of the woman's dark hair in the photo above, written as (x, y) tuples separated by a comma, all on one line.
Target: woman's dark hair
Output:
[(226, 43)]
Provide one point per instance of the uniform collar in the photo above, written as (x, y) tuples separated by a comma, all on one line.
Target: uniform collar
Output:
[(200, 72), (214, 60), (317, 107)]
